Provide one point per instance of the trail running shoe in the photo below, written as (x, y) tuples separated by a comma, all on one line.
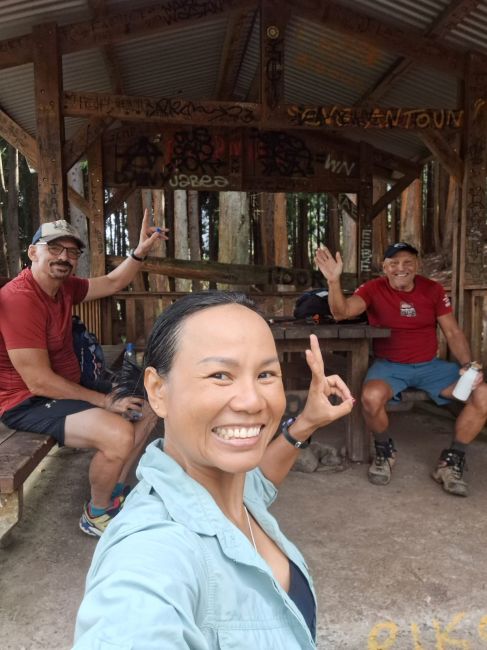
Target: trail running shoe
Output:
[(384, 457), (449, 472), (96, 526)]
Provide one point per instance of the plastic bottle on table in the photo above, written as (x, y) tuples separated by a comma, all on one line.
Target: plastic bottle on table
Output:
[(130, 352), (464, 385)]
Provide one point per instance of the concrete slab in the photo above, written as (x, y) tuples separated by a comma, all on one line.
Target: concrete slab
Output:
[(398, 567)]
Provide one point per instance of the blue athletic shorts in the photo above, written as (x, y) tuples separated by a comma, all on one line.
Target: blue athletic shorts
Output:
[(430, 376)]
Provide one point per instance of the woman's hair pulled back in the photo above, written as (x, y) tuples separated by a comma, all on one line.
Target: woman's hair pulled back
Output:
[(164, 338)]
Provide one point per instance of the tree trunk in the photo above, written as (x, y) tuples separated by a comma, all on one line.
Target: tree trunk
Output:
[(333, 230), (78, 219), (411, 214), (451, 212), (13, 247), (349, 238), (194, 232), (181, 234), (234, 229), (302, 257)]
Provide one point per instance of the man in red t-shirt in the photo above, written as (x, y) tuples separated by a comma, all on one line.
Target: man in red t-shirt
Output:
[(40, 388), (411, 306)]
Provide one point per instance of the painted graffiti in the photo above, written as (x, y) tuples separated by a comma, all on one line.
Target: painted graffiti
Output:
[(388, 635), (168, 109), (284, 154), (151, 17), (187, 159), (336, 166), (194, 182), (195, 151), (377, 118), (140, 165), (202, 157), (281, 154)]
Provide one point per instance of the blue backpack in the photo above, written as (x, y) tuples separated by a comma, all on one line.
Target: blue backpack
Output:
[(89, 353)]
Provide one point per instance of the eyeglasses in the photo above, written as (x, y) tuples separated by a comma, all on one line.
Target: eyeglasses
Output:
[(57, 250)]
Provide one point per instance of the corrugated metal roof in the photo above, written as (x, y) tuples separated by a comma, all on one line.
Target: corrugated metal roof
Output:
[(472, 32), (183, 62), (414, 13), (327, 67), (18, 16), (322, 66)]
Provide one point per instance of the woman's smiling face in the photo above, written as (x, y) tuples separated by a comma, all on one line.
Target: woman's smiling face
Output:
[(223, 399)]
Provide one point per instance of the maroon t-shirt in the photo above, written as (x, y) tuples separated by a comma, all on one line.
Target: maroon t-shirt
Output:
[(30, 318), (410, 315)]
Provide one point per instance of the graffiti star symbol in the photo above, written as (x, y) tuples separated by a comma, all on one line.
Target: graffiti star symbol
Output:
[(141, 157)]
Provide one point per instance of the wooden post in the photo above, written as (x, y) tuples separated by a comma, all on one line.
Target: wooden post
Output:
[(50, 125), (364, 206), (97, 206), (181, 244), (471, 258), (379, 227), (272, 27)]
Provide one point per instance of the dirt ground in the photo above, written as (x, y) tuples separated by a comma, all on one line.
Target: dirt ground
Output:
[(398, 567)]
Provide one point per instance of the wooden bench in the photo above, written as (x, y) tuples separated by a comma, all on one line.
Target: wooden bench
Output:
[(20, 453)]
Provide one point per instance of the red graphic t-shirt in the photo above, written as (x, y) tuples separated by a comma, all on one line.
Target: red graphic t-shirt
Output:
[(30, 318), (410, 315)]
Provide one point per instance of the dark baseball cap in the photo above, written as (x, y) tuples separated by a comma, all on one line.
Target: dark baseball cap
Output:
[(398, 248)]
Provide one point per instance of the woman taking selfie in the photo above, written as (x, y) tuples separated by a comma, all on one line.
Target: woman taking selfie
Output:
[(195, 560)]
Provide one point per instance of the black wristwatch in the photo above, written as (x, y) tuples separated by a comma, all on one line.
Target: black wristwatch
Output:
[(299, 444), (137, 258)]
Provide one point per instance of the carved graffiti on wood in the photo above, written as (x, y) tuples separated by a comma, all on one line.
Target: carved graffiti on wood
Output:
[(273, 68), (375, 118)]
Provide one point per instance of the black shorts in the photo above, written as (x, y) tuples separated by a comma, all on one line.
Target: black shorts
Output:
[(44, 415)]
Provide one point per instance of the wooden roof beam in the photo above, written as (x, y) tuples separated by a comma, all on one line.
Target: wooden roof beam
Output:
[(18, 138), (116, 27), (454, 13), (176, 110), (392, 194), (236, 39), (407, 42), (441, 148)]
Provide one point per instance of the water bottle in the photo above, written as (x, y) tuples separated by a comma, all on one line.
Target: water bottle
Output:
[(464, 385), (130, 353)]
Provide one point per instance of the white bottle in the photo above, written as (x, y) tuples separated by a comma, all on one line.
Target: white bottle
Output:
[(464, 385)]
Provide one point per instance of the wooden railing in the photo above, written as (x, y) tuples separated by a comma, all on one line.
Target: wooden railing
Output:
[(130, 316)]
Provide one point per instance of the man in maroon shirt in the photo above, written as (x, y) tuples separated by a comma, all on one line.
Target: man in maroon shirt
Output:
[(411, 306), (40, 388)]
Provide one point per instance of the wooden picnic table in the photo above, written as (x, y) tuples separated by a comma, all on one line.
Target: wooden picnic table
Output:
[(353, 340)]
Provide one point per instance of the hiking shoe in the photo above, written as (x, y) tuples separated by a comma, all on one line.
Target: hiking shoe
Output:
[(384, 457), (95, 526), (449, 472)]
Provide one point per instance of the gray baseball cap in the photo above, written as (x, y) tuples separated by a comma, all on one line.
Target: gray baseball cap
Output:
[(52, 230)]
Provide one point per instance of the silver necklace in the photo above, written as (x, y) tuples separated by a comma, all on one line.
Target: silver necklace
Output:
[(250, 528)]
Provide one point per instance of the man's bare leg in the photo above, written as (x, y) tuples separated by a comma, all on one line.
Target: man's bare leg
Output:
[(113, 438), (143, 429), (375, 395)]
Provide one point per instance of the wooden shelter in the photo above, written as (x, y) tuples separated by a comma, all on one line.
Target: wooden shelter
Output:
[(253, 95)]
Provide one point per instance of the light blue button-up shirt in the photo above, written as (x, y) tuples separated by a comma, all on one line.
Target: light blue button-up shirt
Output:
[(172, 572)]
